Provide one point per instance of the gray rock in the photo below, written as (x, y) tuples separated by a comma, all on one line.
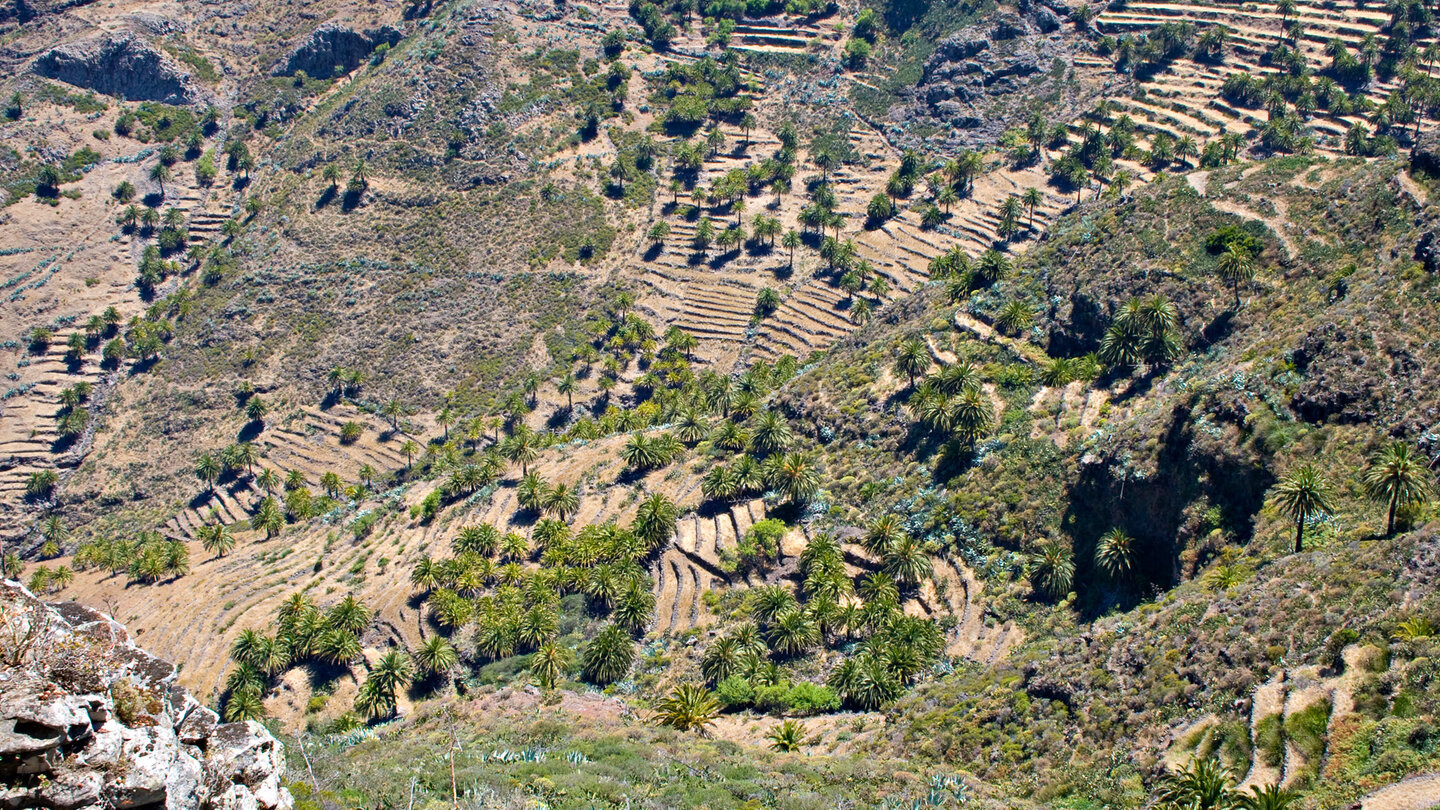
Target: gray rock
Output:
[(120, 65), (973, 78), (334, 50), (23, 11), (161, 748), (1425, 154), (1427, 252)]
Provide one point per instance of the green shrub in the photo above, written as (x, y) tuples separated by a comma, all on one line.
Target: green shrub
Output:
[(735, 692), (1270, 740), (1305, 730)]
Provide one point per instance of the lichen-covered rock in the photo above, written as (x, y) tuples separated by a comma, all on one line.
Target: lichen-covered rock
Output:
[(334, 50), (121, 65), (88, 719)]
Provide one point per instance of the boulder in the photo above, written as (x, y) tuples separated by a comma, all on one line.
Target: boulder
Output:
[(138, 740), (121, 65), (334, 50), (1425, 154), (1427, 252)]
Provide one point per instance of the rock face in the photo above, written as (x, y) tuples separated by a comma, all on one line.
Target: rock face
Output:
[(975, 76), (334, 50), (23, 11), (88, 719), (120, 65), (1425, 154)]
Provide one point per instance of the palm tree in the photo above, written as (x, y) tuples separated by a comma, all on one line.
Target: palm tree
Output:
[(208, 469), (1236, 267), (548, 663), (268, 480), (562, 502), (912, 359), (1202, 785), (521, 447), (790, 241), (772, 434), (436, 656), (409, 448), (795, 476), (1397, 477), (608, 657), (655, 520), (216, 539), (393, 410), (1115, 554), (1304, 494), (792, 632), (1032, 200), (270, 516), (635, 607), (688, 707), (1009, 213), (907, 562), (1052, 569), (160, 173), (244, 705), (787, 737)]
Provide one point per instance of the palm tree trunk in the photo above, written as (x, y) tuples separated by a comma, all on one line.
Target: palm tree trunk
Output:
[(1390, 517), (1299, 534)]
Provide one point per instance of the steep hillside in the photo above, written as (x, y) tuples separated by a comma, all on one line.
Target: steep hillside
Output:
[(687, 404)]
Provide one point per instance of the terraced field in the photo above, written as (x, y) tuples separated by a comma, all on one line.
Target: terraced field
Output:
[(63, 269), (1184, 99)]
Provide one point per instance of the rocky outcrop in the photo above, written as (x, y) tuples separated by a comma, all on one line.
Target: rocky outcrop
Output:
[(334, 50), (1425, 154), (978, 78), (120, 65), (23, 11), (1427, 252), (88, 719)]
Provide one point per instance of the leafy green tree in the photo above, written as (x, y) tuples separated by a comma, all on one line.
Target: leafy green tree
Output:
[(1398, 477)]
